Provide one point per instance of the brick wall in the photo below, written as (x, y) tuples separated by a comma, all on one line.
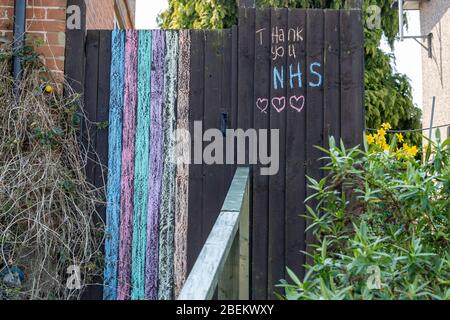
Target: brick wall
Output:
[(46, 24)]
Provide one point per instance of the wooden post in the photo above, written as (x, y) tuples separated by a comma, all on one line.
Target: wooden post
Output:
[(228, 285), (223, 261), (246, 3), (75, 48), (354, 4), (244, 248)]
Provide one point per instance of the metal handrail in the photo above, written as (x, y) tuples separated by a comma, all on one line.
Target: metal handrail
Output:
[(223, 262)]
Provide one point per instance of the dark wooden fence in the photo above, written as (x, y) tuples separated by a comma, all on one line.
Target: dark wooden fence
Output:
[(315, 91)]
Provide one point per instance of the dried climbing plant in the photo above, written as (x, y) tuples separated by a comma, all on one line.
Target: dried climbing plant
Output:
[(48, 216)]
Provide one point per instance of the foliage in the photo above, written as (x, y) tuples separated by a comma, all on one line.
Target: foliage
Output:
[(47, 208), (388, 95), (199, 14), (382, 226), (379, 142)]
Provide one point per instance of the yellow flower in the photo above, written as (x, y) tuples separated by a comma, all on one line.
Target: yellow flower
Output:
[(370, 139), (386, 126), (381, 132), (410, 151), (413, 151), (400, 137)]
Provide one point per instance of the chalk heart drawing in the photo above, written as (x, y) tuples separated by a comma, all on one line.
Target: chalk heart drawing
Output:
[(297, 103), (279, 103), (262, 104)]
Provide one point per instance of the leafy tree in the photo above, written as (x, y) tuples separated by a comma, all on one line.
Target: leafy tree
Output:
[(199, 14), (388, 94)]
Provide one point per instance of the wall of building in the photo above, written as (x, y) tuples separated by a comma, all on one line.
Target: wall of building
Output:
[(100, 14), (435, 18), (46, 25)]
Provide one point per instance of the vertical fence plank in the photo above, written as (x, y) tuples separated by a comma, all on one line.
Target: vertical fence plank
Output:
[(90, 103), (167, 217), (226, 108), (75, 58), (245, 72), (261, 116), (196, 102), (88, 131), (182, 185), (102, 114), (234, 81), (332, 81), (127, 179), (246, 64), (98, 136), (352, 81), (295, 141), (141, 164), (156, 164), (114, 166), (277, 183), (213, 188), (314, 103)]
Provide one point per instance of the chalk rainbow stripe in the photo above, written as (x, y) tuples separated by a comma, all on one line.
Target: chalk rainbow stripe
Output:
[(141, 166), (147, 194), (128, 150), (182, 176), (114, 165), (167, 225), (156, 166)]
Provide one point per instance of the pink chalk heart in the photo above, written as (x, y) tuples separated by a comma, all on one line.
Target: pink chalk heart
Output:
[(279, 103), (262, 104), (297, 103)]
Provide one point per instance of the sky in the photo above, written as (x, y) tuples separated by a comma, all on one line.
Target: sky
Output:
[(408, 56), (408, 53), (147, 12)]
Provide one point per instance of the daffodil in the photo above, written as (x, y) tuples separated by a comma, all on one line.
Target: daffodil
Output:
[(370, 139), (400, 137), (386, 126)]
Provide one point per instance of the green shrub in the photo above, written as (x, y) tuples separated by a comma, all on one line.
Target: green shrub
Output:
[(382, 226)]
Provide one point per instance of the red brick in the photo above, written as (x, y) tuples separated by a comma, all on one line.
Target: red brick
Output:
[(56, 14), (54, 26), (36, 13)]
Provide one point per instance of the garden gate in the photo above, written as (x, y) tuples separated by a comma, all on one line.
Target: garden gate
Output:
[(299, 71)]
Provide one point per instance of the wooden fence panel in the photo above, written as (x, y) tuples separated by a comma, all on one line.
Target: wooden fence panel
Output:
[(277, 183), (213, 178), (332, 80), (352, 82), (295, 142), (196, 101), (314, 103), (296, 71), (261, 120)]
